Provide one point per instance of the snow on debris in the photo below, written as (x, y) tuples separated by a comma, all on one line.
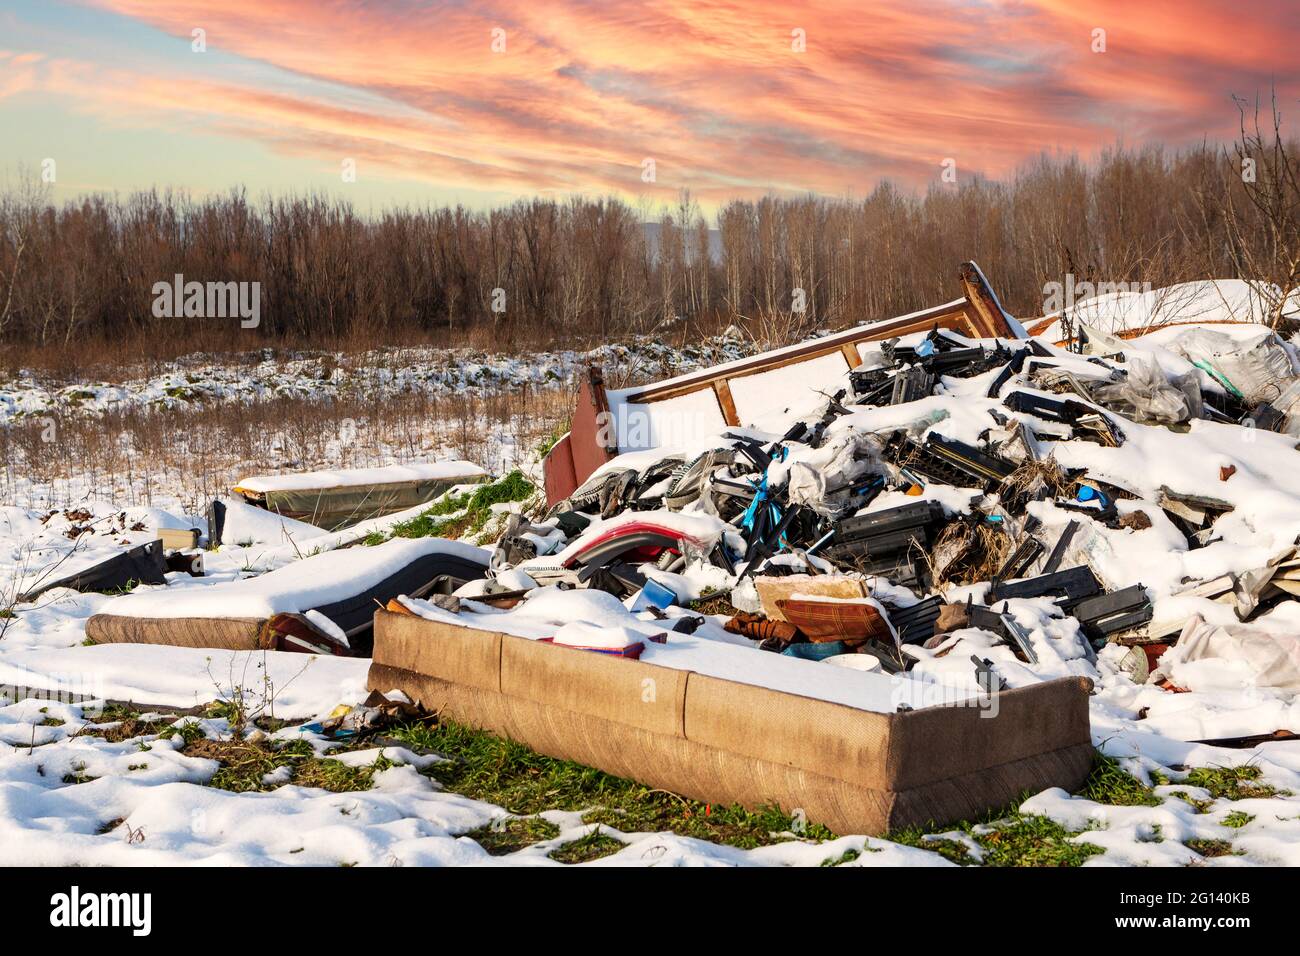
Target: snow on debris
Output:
[(1202, 511)]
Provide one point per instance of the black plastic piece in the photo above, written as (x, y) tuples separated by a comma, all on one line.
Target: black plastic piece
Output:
[(1058, 550), (1071, 586), (988, 679), (572, 523), (1014, 367), (949, 461), (911, 385), (143, 564), (1066, 411), (216, 522), (1019, 560), (617, 578), (1112, 613), (970, 459), (915, 624), (872, 386), (986, 619), (915, 521), (1265, 416)]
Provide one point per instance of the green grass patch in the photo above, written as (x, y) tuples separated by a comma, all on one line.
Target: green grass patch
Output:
[(508, 774), (1009, 837), (78, 775), (508, 835), (1202, 806), (126, 723), (1237, 819), (952, 850), (242, 764), (591, 846), (848, 856), (335, 776), (110, 712), (458, 516), (189, 732), (550, 440), (1034, 841), (1231, 783), (525, 782), (1111, 784), (245, 764)]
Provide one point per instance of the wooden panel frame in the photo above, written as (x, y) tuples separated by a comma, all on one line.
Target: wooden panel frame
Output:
[(977, 314)]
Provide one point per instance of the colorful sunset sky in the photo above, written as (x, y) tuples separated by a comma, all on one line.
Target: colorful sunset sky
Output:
[(717, 92)]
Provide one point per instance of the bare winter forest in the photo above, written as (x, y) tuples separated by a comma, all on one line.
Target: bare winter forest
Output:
[(77, 280)]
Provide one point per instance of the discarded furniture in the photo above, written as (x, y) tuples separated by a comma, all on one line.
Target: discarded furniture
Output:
[(283, 609), (338, 499), (773, 589), (856, 771)]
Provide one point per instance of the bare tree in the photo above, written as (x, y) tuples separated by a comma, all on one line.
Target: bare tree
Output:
[(1264, 229)]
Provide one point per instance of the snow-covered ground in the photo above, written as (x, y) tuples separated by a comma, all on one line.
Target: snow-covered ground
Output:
[(68, 797), (203, 379)]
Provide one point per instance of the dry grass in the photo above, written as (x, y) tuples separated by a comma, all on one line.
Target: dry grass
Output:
[(967, 553), (1029, 476), (192, 454)]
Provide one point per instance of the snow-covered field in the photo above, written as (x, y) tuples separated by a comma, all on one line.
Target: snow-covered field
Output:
[(72, 797), (180, 434), (200, 379)]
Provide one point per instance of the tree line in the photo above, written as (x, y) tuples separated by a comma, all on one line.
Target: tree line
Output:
[(580, 270)]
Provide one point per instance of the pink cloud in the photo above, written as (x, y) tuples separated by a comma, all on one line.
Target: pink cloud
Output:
[(713, 91)]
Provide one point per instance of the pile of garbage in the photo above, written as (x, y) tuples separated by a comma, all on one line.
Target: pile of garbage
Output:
[(1133, 500)]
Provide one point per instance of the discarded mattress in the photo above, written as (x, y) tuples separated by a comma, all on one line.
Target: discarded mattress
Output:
[(855, 769), (337, 499), (322, 603)]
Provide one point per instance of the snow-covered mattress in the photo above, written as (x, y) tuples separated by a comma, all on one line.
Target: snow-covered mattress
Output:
[(336, 499), (341, 586), (856, 769)]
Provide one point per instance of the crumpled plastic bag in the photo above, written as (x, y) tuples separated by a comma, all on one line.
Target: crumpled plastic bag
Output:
[(820, 480), (1243, 654), (1253, 370), (1288, 403), (1147, 396)]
